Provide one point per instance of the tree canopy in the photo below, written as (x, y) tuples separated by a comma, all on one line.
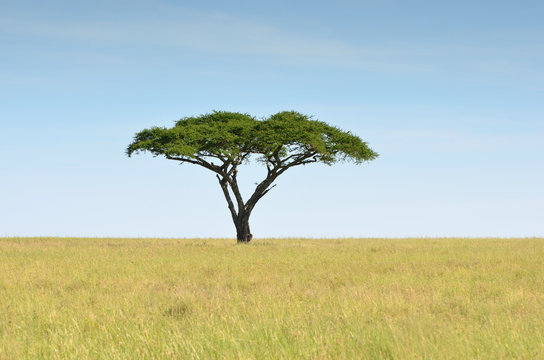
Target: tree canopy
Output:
[(221, 141)]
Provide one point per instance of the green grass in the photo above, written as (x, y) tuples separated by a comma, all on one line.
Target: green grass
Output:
[(271, 299)]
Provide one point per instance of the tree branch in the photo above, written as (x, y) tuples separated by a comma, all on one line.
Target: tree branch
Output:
[(208, 165), (260, 191), (196, 161), (235, 190), (230, 204), (301, 160), (279, 168), (266, 191)]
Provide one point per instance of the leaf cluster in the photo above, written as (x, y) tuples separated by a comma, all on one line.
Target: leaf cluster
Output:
[(287, 138)]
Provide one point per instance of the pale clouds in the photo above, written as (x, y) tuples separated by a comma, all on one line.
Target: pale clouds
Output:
[(176, 31)]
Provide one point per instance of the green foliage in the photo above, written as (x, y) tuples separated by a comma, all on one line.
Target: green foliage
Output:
[(234, 137)]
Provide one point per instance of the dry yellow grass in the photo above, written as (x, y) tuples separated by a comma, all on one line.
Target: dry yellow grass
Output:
[(271, 299)]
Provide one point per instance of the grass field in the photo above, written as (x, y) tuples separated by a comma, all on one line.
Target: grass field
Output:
[(271, 299)]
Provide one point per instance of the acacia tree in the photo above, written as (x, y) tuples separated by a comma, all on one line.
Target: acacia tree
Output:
[(222, 141)]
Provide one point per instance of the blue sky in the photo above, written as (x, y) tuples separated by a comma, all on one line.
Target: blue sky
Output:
[(450, 94)]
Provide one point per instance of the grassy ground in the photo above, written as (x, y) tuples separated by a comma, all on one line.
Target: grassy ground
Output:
[(271, 299)]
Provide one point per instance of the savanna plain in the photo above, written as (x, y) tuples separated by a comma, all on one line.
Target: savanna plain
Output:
[(432, 298)]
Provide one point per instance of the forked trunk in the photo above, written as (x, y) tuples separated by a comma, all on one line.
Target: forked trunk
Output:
[(240, 216), (243, 233)]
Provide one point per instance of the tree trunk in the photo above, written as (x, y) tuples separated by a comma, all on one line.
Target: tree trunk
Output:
[(243, 233)]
